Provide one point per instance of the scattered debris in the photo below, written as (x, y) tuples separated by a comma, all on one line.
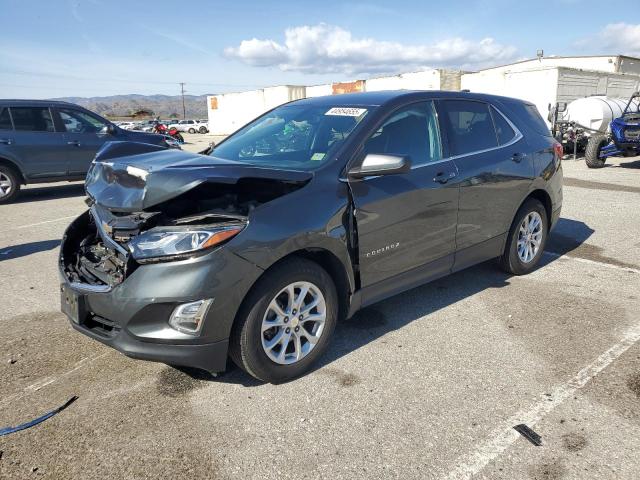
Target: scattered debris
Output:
[(529, 434), (23, 426)]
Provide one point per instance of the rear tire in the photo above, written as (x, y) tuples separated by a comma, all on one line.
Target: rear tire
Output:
[(203, 130), (517, 259), (249, 343), (592, 152), (9, 184), (192, 130)]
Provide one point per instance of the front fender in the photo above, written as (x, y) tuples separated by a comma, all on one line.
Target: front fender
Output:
[(312, 218)]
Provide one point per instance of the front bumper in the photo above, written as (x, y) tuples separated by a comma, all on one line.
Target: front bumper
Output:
[(133, 316)]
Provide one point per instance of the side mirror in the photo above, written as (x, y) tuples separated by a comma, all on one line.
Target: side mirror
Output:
[(111, 129), (562, 106), (376, 164)]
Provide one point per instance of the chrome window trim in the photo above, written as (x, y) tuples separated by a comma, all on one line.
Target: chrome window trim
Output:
[(518, 136)]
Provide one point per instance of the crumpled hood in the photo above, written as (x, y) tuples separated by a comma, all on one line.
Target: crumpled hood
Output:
[(132, 177)]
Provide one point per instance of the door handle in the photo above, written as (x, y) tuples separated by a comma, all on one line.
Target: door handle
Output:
[(74, 142), (6, 141), (518, 157), (443, 177)]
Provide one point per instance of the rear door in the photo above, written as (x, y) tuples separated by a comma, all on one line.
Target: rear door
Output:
[(35, 143), (84, 135), (494, 170), (406, 221)]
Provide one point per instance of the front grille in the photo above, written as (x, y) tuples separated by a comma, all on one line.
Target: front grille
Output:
[(633, 135)]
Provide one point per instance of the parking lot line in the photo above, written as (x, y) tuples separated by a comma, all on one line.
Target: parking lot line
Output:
[(504, 436), (592, 262), (41, 223), (43, 382)]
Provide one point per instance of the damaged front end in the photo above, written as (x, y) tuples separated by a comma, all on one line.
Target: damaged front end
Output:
[(159, 206)]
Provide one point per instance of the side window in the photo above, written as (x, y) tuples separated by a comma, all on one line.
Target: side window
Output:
[(411, 131), (503, 129), (5, 119), (76, 121), (469, 125), (32, 119)]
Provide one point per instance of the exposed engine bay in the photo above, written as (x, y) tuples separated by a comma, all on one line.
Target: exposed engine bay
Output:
[(97, 250)]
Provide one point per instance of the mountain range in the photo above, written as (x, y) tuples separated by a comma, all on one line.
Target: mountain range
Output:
[(163, 106)]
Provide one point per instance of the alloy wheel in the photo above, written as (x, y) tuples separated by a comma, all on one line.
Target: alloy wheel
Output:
[(293, 323), (6, 185), (530, 237)]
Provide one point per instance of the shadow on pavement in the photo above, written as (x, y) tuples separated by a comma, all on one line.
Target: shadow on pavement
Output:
[(50, 192), (634, 164), (567, 236), (25, 249), (371, 323)]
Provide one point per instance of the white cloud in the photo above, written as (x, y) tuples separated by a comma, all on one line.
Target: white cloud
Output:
[(326, 48), (621, 38)]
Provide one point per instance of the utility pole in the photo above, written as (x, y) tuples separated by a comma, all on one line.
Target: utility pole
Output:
[(184, 110)]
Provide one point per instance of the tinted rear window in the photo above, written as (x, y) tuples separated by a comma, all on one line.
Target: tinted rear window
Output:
[(469, 125), (32, 119), (503, 129), (5, 119), (531, 116)]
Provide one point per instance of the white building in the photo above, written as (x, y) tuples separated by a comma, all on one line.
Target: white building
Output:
[(548, 80), (230, 111)]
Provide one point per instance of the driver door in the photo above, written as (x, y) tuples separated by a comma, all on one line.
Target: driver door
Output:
[(84, 135), (406, 222)]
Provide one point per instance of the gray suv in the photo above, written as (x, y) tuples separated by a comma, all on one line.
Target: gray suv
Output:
[(50, 141)]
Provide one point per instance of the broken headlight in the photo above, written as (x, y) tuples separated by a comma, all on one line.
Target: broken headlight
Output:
[(171, 243)]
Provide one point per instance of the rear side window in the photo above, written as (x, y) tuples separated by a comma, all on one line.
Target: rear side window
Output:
[(503, 130), (469, 125), (531, 116), (5, 119), (32, 119)]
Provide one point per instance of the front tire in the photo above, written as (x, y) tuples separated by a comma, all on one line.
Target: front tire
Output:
[(192, 130), (526, 240), (286, 322), (203, 130), (592, 152), (9, 184)]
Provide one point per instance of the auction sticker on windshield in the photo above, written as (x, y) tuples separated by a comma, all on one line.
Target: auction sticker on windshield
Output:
[(346, 111)]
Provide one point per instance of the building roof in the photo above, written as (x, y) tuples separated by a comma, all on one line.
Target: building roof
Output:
[(557, 57)]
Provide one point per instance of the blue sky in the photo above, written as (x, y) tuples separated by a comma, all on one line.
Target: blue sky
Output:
[(104, 47)]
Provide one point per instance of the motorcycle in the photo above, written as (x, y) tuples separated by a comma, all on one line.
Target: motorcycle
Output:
[(173, 132)]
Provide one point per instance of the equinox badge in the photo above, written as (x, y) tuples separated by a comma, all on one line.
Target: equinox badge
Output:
[(382, 250)]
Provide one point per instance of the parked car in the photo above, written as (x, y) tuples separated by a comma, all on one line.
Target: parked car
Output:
[(127, 125), (312, 211), (190, 126), (49, 141)]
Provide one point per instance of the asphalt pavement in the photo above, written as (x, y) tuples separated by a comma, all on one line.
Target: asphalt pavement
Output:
[(428, 384)]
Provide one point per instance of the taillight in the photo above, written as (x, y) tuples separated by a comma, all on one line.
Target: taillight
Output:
[(558, 150)]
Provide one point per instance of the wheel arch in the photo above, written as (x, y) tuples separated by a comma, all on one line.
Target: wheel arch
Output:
[(545, 199), (326, 259), (13, 165)]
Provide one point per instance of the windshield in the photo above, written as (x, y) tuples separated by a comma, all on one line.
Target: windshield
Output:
[(292, 136)]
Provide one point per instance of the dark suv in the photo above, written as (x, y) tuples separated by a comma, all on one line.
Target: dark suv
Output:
[(312, 211), (50, 141)]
